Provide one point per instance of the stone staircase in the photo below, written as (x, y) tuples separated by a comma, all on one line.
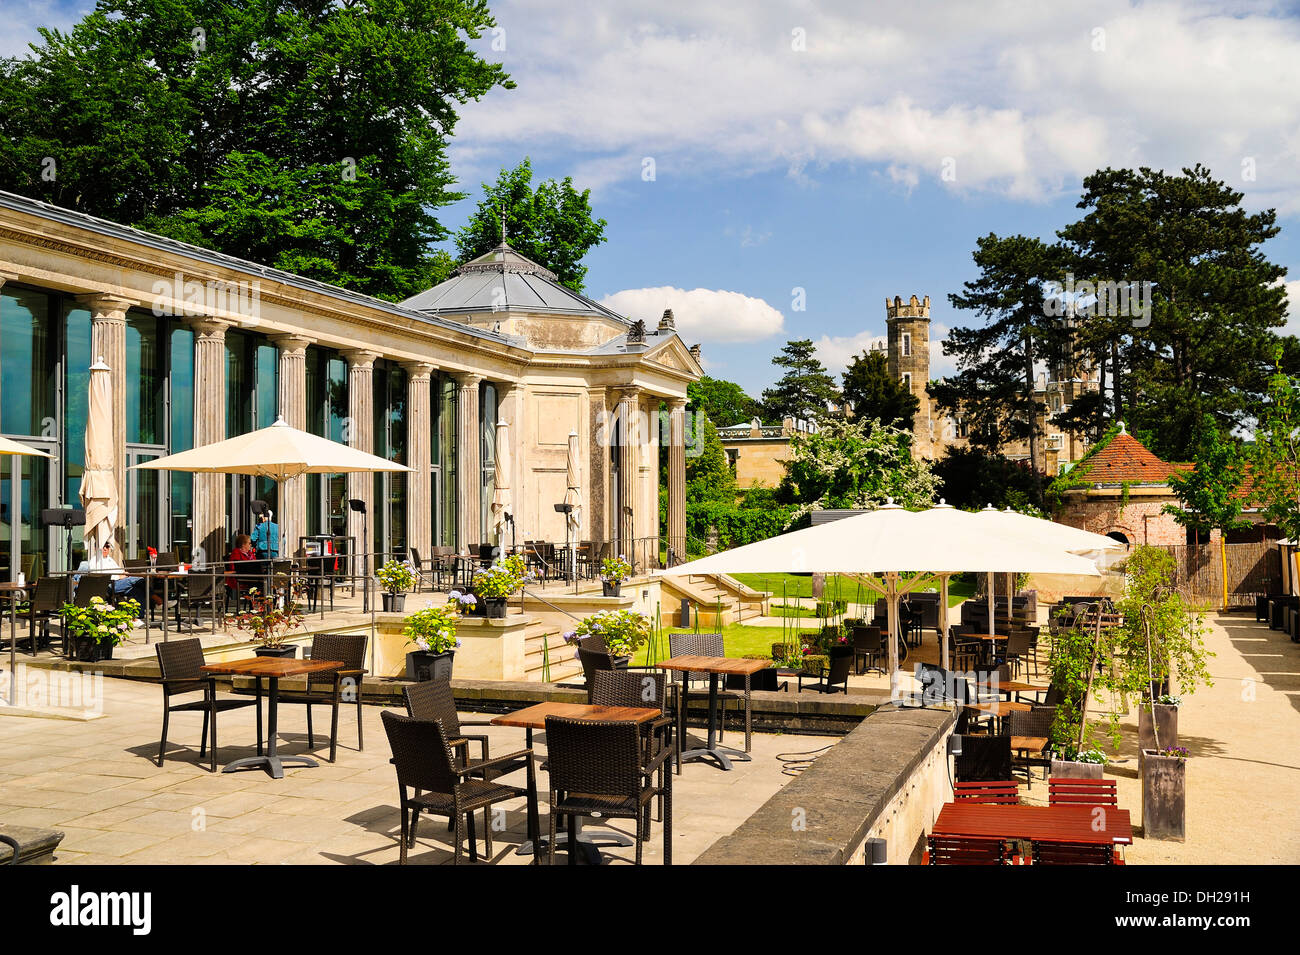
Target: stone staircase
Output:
[(706, 592), (546, 636)]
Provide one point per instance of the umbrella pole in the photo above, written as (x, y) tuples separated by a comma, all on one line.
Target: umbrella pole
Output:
[(943, 621), (892, 623), (990, 582)]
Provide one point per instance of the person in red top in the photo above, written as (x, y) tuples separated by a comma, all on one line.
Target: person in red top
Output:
[(243, 551)]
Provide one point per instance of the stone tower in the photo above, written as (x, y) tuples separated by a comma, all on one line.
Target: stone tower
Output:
[(909, 360)]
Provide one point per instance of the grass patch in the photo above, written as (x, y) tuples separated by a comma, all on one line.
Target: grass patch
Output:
[(840, 587)]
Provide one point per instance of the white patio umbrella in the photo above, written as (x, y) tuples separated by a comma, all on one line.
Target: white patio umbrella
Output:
[(573, 497), (278, 452), (99, 490), (501, 483), (889, 543), (1096, 547)]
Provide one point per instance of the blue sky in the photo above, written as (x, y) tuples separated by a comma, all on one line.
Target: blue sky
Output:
[(857, 150)]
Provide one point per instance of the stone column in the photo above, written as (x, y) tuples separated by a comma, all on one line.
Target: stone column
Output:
[(677, 479), (419, 445), (469, 465), (108, 341), (595, 490), (629, 464), (293, 409), (360, 433), (209, 519)]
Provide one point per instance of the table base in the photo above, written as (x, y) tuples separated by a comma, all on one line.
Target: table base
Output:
[(722, 754), (587, 840), (272, 764)]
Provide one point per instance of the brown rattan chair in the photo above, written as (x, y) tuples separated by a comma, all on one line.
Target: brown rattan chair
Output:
[(639, 688), (835, 678), (434, 700), (334, 687), (425, 764), (598, 768), (1036, 724), (46, 601), (181, 663)]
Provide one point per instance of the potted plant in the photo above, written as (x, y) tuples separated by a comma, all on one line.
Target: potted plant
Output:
[(1164, 793), (613, 571), (624, 632), (432, 631), (495, 585), (1070, 763), (269, 620), (1080, 665), (1158, 722), (96, 629), (396, 578)]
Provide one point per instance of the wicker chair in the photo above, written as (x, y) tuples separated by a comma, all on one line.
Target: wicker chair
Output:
[(638, 689), (200, 590), (433, 700), (329, 688), (425, 764), (866, 646), (47, 599), (181, 663), (599, 768), (1037, 724), (835, 677), (703, 645), (983, 759)]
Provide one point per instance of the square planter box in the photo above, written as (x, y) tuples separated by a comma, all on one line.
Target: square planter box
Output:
[(1068, 769), (1164, 796), (422, 666), (1165, 732)]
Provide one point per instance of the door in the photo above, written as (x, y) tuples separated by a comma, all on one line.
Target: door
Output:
[(26, 488)]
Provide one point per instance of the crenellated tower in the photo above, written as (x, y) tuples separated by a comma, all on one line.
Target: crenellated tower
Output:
[(908, 336)]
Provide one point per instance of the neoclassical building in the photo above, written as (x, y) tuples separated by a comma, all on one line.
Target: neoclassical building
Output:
[(203, 346)]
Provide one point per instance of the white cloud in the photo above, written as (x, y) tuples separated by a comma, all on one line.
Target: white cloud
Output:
[(701, 314), (1292, 326), (1022, 98), (836, 352)]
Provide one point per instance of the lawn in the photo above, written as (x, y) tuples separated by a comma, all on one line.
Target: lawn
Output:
[(738, 640), (840, 586)]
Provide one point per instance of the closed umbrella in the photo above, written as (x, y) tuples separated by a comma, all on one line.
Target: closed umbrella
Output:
[(573, 498), (99, 491), (501, 482), (888, 543)]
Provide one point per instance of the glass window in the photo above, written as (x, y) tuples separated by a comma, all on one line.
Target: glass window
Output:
[(145, 379), (487, 416), (447, 460), (76, 405), (28, 364), (182, 437)]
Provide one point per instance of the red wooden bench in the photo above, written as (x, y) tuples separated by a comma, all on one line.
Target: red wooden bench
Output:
[(1071, 853), (964, 850), (1081, 792), (1002, 791)]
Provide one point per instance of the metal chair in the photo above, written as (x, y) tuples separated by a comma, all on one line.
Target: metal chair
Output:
[(835, 678), (1036, 724), (425, 764), (181, 663), (351, 651), (599, 768), (46, 601), (867, 644), (983, 759)]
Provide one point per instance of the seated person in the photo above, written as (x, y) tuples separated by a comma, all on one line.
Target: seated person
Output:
[(235, 578), (123, 586)]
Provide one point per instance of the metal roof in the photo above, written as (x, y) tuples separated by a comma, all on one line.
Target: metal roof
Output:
[(503, 279), (45, 210)]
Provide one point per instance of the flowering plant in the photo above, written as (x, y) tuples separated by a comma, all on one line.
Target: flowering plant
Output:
[(433, 629), (500, 580), (624, 631), (396, 576), (614, 570), (268, 619), (1084, 756), (1168, 699), (102, 621), (1178, 752)]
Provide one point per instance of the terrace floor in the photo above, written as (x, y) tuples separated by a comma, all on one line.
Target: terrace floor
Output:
[(97, 782)]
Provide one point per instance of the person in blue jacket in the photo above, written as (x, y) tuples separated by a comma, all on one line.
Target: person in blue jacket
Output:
[(266, 537)]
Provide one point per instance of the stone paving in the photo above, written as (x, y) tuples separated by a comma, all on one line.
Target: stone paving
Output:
[(97, 781)]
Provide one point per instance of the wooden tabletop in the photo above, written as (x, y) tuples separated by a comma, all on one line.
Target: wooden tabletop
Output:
[(274, 667), (534, 717), (1042, 823), (729, 665), (999, 708), (9, 586), (1013, 686), (1033, 744)]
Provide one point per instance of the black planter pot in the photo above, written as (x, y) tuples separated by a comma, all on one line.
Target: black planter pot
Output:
[(394, 603), (611, 590), (288, 651), (92, 651), (494, 608), (1164, 796), (422, 666), (621, 663)]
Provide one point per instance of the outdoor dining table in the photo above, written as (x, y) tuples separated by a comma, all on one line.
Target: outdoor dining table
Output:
[(271, 669), (1011, 686), (998, 710), (165, 576), (1077, 824), (714, 667), (534, 718)]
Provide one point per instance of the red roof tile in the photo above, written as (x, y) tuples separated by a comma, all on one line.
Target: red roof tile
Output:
[(1123, 459)]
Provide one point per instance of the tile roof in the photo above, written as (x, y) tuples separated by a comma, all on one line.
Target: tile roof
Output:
[(1126, 459)]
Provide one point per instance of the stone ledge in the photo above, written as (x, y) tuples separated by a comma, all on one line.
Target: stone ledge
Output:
[(840, 796), (35, 846)]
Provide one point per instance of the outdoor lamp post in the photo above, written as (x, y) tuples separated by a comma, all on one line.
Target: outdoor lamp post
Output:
[(358, 505), (566, 510)]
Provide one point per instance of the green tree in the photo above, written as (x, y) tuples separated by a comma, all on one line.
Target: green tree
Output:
[(552, 224), (1275, 461), (856, 464), (708, 475), (805, 389), (872, 392), (307, 136), (973, 478), (724, 402), (1212, 294)]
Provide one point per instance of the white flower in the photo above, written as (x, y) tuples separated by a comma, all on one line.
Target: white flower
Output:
[(102, 628)]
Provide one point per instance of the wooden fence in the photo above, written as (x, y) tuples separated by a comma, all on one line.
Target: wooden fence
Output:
[(1253, 568)]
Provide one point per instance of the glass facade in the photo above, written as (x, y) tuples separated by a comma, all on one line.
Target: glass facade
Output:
[(444, 488), (327, 409), (388, 523), (252, 396), (487, 419)]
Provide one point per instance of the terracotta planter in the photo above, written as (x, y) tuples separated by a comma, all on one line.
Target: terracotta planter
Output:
[(394, 603), (1165, 728), (422, 666), (611, 590), (1164, 796), (289, 651), (1069, 769)]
